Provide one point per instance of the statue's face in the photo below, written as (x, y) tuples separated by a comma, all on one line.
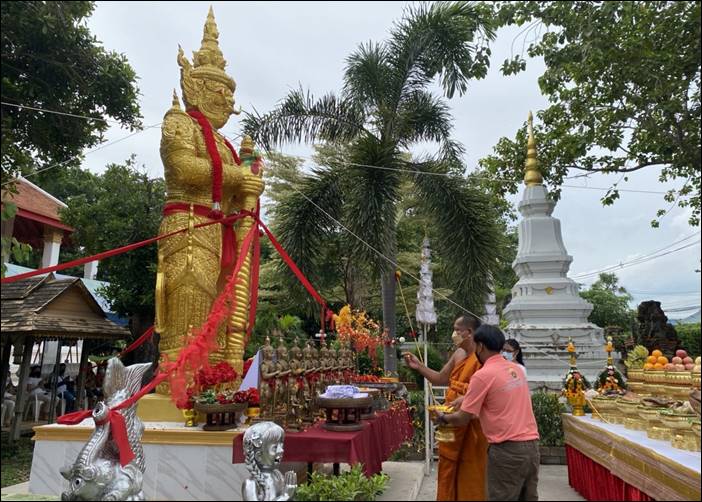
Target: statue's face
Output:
[(272, 453), (217, 103)]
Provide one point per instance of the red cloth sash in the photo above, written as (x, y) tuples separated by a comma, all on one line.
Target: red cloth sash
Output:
[(228, 235), (215, 159)]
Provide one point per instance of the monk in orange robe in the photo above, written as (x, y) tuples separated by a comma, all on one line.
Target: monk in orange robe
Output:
[(461, 474)]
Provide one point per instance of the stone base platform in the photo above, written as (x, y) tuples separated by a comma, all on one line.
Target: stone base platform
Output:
[(546, 358), (182, 463)]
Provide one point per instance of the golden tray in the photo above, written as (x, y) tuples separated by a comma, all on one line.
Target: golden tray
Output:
[(444, 433)]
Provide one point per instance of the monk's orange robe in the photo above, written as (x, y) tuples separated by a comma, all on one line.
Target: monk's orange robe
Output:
[(462, 463)]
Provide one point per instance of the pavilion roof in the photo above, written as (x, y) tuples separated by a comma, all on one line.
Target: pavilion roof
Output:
[(47, 307)]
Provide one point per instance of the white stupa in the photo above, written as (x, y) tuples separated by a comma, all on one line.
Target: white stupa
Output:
[(546, 309), (490, 316)]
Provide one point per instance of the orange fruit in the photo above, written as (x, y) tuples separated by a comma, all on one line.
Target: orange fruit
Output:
[(648, 366), (657, 353), (658, 366), (652, 359), (663, 360)]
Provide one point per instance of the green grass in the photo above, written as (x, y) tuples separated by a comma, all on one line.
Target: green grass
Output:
[(16, 459)]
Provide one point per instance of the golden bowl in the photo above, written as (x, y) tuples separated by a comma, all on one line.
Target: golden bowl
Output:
[(696, 427), (628, 407), (635, 374), (679, 378), (605, 404), (677, 392), (676, 421), (649, 413), (696, 378), (654, 376)]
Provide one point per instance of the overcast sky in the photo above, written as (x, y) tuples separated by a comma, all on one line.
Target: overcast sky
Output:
[(274, 47)]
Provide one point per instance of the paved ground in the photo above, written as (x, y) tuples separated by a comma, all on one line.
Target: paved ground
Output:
[(407, 482), (553, 485)]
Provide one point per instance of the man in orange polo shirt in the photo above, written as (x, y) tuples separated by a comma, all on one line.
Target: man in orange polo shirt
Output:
[(499, 396)]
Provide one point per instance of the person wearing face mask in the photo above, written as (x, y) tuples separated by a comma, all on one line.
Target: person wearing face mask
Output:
[(512, 351), (461, 471), (499, 396)]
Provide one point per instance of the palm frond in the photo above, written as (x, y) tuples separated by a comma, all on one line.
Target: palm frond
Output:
[(366, 76), (469, 234), (439, 39), (425, 117), (301, 117)]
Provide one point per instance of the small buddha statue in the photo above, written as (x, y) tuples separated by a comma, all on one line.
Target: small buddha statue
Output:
[(296, 385), (268, 376), (282, 367), (263, 451)]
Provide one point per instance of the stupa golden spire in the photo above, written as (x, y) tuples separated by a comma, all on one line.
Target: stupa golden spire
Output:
[(532, 175)]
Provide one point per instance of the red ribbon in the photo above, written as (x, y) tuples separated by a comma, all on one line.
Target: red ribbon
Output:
[(118, 428), (113, 252), (215, 158), (147, 334), (228, 235)]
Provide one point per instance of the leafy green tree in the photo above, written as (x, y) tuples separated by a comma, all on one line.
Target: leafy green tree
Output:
[(124, 207), (610, 303), (384, 108), (50, 60), (623, 82)]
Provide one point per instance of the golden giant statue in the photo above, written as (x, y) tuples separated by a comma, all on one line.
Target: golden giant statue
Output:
[(205, 179)]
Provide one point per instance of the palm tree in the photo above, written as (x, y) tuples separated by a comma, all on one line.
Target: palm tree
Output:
[(384, 108)]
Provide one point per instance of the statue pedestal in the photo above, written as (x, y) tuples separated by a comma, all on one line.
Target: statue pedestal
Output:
[(159, 408), (182, 463), (546, 358)]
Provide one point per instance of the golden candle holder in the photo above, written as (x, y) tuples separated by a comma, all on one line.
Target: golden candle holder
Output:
[(444, 433), (654, 427)]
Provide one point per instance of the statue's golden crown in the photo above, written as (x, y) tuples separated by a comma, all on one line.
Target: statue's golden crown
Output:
[(208, 62)]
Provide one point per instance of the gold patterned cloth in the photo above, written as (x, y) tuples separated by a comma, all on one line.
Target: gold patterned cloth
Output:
[(652, 466)]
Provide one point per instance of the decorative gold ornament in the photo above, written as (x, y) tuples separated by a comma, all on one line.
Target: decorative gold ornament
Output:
[(532, 175), (190, 273)]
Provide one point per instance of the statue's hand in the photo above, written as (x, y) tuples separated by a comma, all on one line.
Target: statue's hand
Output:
[(290, 484)]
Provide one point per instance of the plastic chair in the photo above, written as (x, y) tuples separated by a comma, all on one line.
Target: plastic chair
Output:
[(37, 407)]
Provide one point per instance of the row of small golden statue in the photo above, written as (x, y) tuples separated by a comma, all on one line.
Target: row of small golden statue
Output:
[(291, 379), (673, 418)]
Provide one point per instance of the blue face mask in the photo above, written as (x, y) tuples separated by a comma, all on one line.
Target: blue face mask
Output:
[(508, 355)]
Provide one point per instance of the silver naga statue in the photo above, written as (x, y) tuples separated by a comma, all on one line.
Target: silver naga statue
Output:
[(263, 451), (97, 474)]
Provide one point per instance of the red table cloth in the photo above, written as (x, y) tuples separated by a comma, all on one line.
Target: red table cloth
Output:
[(595, 482), (380, 437)]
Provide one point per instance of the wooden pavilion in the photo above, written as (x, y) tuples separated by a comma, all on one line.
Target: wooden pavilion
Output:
[(47, 308)]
